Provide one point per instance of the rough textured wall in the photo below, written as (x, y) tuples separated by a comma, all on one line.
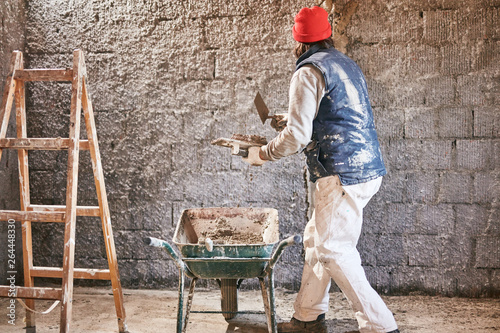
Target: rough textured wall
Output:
[(433, 72), (12, 38), (168, 77)]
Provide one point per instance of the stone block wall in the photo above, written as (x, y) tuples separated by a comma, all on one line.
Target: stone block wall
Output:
[(168, 77)]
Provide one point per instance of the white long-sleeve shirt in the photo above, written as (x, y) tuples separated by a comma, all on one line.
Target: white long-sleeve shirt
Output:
[(307, 88)]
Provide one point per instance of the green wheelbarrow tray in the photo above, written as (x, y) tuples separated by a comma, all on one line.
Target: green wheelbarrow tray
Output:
[(227, 263)]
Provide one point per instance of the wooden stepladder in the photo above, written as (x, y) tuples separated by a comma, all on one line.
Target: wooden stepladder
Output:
[(14, 91)]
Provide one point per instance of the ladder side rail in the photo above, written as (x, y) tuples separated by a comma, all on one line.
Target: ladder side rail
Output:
[(103, 207), (9, 94), (24, 190), (71, 192)]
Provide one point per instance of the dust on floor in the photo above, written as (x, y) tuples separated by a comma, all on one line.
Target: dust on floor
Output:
[(156, 311)]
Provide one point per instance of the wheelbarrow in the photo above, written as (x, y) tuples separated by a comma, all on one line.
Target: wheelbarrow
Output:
[(210, 245)]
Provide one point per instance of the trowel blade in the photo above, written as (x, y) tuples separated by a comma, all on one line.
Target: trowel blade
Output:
[(261, 108)]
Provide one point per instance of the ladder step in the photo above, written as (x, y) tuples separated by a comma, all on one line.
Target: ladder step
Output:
[(80, 210), (32, 292), (16, 215), (56, 74), (78, 273), (40, 143)]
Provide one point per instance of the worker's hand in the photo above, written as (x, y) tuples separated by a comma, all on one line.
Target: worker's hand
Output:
[(279, 121), (253, 157)]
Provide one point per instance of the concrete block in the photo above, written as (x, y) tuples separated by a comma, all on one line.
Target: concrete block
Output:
[(472, 220), (367, 249), (390, 250), (439, 90), (423, 250), (475, 154), (43, 160), (380, 92), (455, 188), (435, 220), (149, 273), (456, 59), (488, 252), (492, 17), (493, 219), (379, 59), (487, 56), (371, 28), (218, 8), (247, 62), (455, 122), (389, 122), (437, 155), (393, 187), (400, 219), (41, 186), (422, 187), (457, 252), (486, 187), (486, 122), (407, 27), (471, 24), (141, 251), (402, 154), (214, 158), (440, 26), (374, 215), (150, 215), (471, 90), (469, 283), (422, 60), (420, 123)]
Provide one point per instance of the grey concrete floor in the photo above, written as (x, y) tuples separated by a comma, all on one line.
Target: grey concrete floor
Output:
[(156, 310)]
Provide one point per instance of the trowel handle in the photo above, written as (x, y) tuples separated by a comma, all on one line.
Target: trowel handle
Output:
[(242, 153), (236, 150)]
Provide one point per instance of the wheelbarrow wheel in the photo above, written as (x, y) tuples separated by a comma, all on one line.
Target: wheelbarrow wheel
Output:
[(229, 297)]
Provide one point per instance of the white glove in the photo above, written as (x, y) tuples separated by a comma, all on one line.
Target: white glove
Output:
[(253, 157)]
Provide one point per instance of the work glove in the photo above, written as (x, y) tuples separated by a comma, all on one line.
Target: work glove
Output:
[(279, 121), (253, 157)]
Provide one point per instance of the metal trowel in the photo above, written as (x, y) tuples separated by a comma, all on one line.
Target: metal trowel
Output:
[(278, 122), (261, 108)]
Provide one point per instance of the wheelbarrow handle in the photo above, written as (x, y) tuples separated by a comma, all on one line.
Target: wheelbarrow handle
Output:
[(297, 239), (161, 243)]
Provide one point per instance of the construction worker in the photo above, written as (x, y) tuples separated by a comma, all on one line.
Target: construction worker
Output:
[(331, 120)]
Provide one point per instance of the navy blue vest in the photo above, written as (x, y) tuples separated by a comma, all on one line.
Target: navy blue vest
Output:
[(344, 140)]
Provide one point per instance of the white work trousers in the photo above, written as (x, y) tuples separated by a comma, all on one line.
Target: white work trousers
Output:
[(330, 239)]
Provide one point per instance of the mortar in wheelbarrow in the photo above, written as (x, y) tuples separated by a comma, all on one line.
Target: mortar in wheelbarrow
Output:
[(242, 238)]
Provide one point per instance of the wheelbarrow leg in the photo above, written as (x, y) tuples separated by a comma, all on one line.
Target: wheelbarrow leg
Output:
[(267, 308), (189, 302), (272, 306), (180, 305)]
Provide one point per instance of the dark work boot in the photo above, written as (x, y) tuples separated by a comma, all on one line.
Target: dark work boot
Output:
[(395, 331), (297, 326)]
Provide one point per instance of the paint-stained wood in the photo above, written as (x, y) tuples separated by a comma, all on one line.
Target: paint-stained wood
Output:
[(33, 292), (24, 191), (80, 210), (9, 94), (79, 273), (6, 215), (40, 143), (71, 191), (44, 75), (104, 207), (15, 91)]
